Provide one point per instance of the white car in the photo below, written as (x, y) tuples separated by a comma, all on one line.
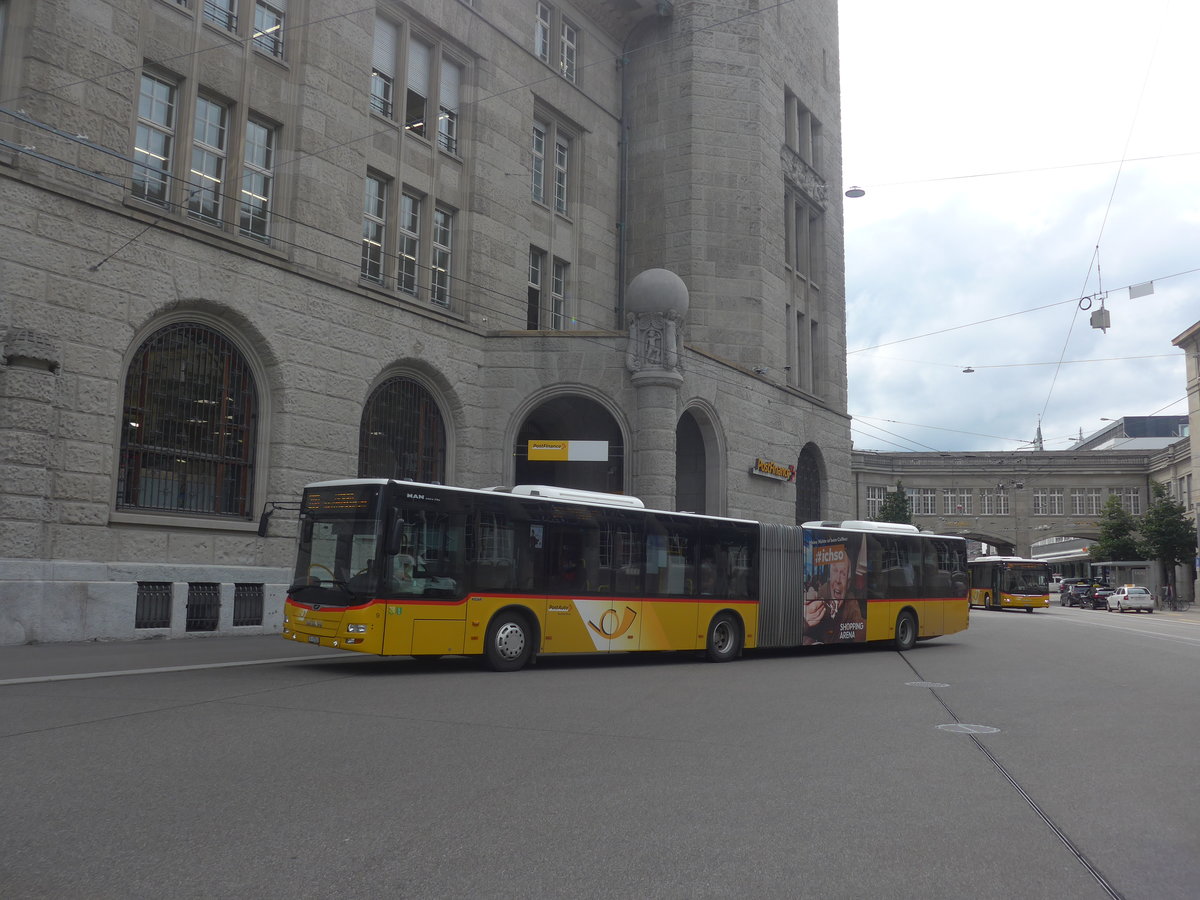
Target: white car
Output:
[(1131, 596)]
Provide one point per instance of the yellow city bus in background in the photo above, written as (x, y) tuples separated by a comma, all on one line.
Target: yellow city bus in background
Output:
[(1009, 582), (401, 568)]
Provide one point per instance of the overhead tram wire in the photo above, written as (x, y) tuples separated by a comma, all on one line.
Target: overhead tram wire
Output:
[(1095, 260), (940, 428), (1020, 312), (897, 436)]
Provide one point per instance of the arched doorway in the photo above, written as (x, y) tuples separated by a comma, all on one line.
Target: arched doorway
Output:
[(808, 485), (592, 455)]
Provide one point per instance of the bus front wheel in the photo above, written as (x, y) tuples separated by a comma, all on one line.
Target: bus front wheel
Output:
[(509, 644), (906, 630), (724, 638)]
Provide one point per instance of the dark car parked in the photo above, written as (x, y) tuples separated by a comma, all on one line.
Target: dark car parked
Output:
[(1082, 592), (1067, 595)]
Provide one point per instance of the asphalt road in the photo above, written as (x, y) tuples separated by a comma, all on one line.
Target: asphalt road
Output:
[(818, 774)]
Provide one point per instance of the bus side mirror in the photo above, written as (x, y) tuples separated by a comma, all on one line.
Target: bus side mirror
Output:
[(395, 534), (263, 520)]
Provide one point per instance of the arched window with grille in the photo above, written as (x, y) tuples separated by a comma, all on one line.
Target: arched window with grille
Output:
[(402, 434), (808, 485), (188, 425)]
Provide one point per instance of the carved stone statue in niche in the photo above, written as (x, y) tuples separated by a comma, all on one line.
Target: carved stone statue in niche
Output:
[(653, 341), (655, 306)]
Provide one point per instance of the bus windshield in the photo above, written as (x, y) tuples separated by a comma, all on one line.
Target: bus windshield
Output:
[(339, 540), (1022, 580), (355, 546)]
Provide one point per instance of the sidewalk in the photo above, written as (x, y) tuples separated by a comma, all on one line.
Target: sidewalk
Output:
[(90, 658)]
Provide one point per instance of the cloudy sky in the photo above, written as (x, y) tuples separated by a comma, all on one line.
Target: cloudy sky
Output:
[(1018, 159)]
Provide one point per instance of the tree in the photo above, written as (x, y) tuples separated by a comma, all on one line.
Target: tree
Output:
[(895, 507), (1118, 534), (1167, 534)]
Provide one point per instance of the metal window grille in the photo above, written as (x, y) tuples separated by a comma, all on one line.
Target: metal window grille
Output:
[(220, 12), (402, 434), (153, 605), (247, 604), (808, 487), (268, 27), (203, 606), (189, 426)]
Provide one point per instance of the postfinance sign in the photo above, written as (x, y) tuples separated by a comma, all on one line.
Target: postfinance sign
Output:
[(568, 451)]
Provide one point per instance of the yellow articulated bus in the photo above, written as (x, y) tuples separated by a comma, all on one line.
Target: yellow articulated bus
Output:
[(1009, 582), (402, 568)]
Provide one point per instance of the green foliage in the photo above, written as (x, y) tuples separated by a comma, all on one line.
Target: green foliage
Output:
[(1118, 534), (895, 507), (1167, 534)]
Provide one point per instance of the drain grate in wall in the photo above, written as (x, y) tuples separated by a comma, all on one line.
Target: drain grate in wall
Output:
[(203, 605), (247, 604), (153, 605)]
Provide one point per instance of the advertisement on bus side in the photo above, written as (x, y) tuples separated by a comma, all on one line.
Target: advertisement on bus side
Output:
[(835, 589)]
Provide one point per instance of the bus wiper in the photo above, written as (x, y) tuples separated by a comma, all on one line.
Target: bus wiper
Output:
[(297, 588)]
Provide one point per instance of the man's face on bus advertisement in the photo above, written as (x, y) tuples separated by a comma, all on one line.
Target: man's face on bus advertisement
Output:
[(839, 576)]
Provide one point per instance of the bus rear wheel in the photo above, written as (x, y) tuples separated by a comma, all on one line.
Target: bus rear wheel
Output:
[(724, 638), (509, 643), (906, 630)]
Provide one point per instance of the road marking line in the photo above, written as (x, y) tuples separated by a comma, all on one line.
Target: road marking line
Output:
[(81, 676)]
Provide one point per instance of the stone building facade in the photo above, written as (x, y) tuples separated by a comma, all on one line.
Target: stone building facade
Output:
[(1044, 504), (249, 244)]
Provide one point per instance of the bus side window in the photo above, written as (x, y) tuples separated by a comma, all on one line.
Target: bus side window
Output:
[(876, 576)]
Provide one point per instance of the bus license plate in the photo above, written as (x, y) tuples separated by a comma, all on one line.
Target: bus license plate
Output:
[(313, 639)]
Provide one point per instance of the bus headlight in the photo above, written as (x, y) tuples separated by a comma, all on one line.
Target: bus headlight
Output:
[(356, 629)]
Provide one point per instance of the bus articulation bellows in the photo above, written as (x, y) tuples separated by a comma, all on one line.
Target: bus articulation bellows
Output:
[(402, 568)]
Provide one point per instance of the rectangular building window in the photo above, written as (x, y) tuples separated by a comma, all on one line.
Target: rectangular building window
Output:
[(416, 104), (1131, 499), (154, 142), (258, 161), (1085, 501), (410, 243), (562, 151), (374, 228), (533, 307), (443, 235), (448, 106), (558, 296), (541, 33), (568, 46), (221, 13), (956, 502), (383, 68), (876, 494), (557, 47), (993, 502), (1048, 502), (922, 501), (268, 26), (538, 182), (207, 178)]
